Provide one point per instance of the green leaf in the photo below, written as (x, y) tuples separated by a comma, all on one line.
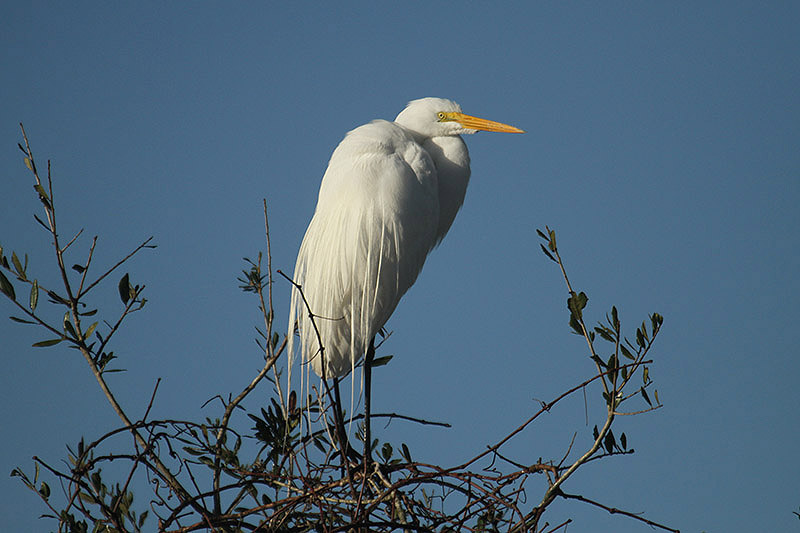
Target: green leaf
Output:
[(604, 333), (576, 303), (124, 289), (552, 242), (624, 441), (17, 265), (57, 299), (44, 490), (626, 352), (21, 320), (34, 295), (193, 451), (609, 442), (89, 331), (548, 254), (44, 344), (39, 220), (646, 398), (6, 287), (68, 329), (656, 394), (575, 325), (406, 453), (380, 361), (78, 268), (656, 320), (29, 164), (43, 197), (86, 497), (640, 338), (386, 451)]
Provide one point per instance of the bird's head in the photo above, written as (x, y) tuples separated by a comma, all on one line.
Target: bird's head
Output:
[(437, 117)]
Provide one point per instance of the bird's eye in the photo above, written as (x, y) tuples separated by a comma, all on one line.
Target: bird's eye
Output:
[(440, 115)]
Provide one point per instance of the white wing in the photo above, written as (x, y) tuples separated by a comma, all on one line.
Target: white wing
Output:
[(377, 217)]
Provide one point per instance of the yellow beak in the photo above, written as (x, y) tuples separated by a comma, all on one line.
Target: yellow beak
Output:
[(481, 124)]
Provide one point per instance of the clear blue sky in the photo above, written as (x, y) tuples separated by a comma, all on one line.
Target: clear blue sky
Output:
[(663, 145)]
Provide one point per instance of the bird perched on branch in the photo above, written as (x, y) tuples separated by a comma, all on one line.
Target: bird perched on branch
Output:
[(388, 197)]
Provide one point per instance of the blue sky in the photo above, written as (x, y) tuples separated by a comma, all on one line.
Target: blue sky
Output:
[(662, 146)]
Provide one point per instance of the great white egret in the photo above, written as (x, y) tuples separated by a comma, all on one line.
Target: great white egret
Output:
[(388, 197)]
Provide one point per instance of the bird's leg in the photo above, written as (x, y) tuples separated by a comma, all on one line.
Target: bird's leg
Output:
[(341, 436), (368, 400), (338, 417)]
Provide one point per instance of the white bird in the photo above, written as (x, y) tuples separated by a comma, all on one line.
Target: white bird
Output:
[(388, 197)]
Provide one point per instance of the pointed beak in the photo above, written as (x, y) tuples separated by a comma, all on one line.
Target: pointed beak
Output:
[(481, 124)]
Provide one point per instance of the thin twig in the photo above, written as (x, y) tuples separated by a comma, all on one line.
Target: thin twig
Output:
[(614, 510)]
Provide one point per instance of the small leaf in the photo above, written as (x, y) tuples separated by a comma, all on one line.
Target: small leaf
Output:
[(626, 352), (44, 490), (6, 287), (124, 289), (548, 254), (624, 441), (318, 444), (406, 453), (609, 442), (34, 295), (56, 298), (656, 394), (78, 268), (646, 398), (603, 332), (646, 375), (552, 242), (575, 325), (68, 329), (656, 320), (89, 331), (17, 265), (39, 220), (576, 302), (380, 361), (21, 320), (44, 344), (640, 338), (386, 451), (28, 164), (193, 451), (43, 197)]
